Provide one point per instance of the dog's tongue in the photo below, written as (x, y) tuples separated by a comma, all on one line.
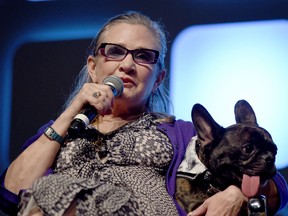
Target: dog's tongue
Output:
[(250, 185)]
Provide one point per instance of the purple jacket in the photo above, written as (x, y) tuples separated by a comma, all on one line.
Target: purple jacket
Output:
[(179, 134)]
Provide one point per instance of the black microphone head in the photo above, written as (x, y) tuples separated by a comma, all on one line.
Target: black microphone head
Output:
[(115, 83)]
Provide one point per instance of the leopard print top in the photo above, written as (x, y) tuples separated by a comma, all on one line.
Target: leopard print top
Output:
[(119, 173)]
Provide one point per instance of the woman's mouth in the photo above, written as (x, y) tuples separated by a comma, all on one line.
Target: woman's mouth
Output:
[(128, 82)]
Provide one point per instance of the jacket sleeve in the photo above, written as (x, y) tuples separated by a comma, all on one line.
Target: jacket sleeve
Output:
[(8, 200), (282, 190)]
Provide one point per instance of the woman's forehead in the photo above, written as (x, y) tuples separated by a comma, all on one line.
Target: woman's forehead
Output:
[(132, 36)]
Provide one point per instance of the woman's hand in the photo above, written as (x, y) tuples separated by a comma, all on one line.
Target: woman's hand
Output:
[(97, 95), (225, 203)]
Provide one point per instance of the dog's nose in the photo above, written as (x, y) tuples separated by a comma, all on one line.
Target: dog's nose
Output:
[(268, 157)]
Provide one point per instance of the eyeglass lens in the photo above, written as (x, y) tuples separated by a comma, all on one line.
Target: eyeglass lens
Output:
[(117, 52)]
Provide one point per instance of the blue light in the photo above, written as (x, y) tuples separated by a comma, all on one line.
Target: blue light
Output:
[(218, 64)]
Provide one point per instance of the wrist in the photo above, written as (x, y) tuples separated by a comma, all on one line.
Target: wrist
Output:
[(51, 134)]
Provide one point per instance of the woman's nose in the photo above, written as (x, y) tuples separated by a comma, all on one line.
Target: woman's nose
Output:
[(128, 64)]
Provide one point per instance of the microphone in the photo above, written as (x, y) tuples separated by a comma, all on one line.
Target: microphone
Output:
[(82, 120)]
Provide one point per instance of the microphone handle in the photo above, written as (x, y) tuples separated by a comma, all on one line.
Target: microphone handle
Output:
[(81, 121)]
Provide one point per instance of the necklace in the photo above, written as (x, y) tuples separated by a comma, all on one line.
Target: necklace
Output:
[(100, 144)]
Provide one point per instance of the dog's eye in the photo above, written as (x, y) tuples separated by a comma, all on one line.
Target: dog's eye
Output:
[(248, 148)]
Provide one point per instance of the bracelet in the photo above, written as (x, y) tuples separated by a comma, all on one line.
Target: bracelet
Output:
[(51, 134)]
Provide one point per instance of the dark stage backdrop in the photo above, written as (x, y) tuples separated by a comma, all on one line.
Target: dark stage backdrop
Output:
[(43, 74)]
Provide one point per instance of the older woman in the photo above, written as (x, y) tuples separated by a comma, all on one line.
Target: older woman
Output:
[(125, 161)]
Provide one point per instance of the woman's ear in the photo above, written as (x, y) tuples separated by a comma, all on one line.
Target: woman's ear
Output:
[(159, 80), (91, 66)]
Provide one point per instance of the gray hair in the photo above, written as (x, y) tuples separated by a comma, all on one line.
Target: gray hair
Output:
[(159, 100)]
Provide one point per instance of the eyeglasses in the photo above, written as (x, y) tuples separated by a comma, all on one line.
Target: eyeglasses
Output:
[(118, 53)]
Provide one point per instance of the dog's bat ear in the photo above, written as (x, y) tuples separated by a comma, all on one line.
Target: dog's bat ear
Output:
[(244, 113), (207, 128)]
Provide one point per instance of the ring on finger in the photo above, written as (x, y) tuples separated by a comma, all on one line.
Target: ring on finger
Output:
[(96, 94)]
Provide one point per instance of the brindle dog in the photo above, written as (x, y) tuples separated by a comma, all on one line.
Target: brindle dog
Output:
[(240, 155)]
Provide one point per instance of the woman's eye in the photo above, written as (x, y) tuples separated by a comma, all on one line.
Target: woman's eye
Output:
[(144, 56), (115, 51)]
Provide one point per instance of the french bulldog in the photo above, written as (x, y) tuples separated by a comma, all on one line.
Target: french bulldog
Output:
[(241, 155)]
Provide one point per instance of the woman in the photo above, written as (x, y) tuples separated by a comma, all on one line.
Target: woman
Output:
[(126, 160)]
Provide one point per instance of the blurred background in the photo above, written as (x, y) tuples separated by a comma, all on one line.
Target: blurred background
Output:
[(218, 52)]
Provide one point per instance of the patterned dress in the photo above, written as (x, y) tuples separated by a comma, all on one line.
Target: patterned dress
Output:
[(119, 173)]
